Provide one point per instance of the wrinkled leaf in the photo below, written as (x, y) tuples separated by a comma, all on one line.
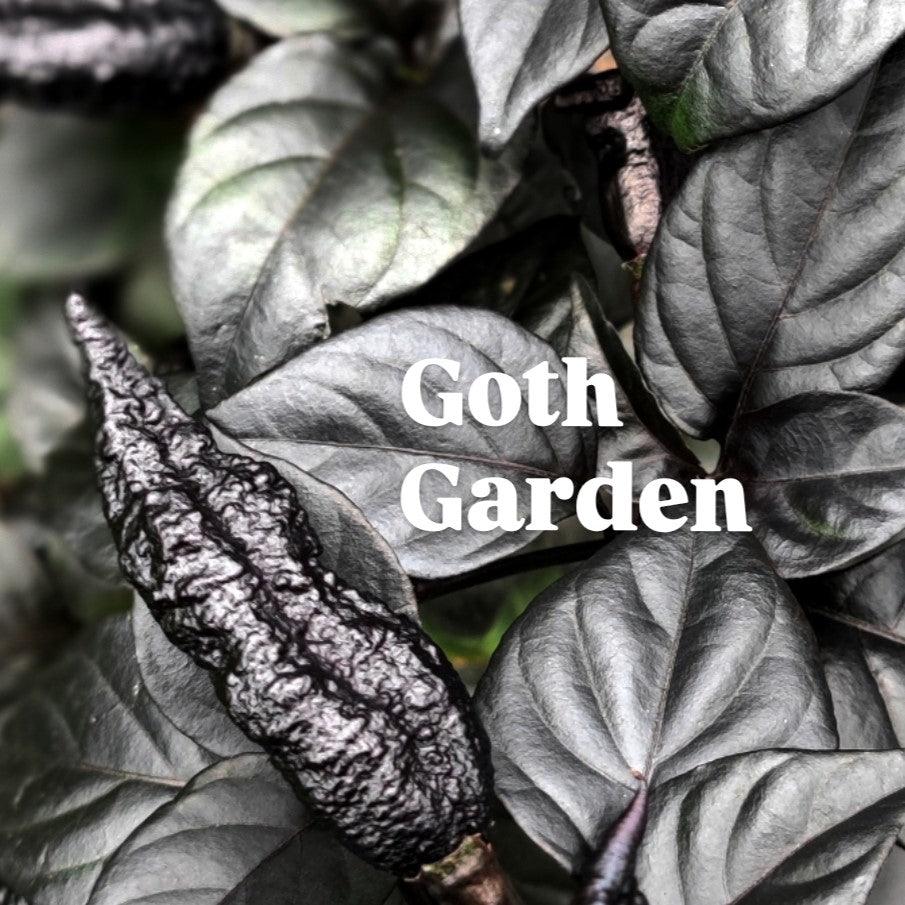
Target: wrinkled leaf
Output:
[(351, 548), (709, 70), (787, 828), (314, 179), (661, 653), (523, 50), (779, 267), (336, 412), (859, 617), (823, 477), (238, 807)]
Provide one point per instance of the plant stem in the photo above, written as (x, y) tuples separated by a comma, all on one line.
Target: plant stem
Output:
[(471, 875), (512, 565)]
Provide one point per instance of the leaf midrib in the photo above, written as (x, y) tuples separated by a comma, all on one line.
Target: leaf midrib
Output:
[(769, 335)]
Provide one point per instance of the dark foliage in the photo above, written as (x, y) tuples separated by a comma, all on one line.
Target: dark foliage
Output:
[(705, 200)]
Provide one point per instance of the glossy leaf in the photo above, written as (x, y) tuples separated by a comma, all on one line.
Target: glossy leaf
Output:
[(661, 653), (335, 411), (523, 50), (351, 547), (86, 757), (859, 617), (823, 478), (789, 828), (104, 802), (314, 179), (779, 267), (715, 69)]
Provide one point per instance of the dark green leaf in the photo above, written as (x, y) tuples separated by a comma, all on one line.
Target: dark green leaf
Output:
[(712, 69), (523, 50), (823, 477), (335, 411), (662, 653), (314, 179), (786, 828), (779, 267), (183, 691)]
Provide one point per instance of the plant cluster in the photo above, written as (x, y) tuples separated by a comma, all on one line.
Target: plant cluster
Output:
[(288, 204)]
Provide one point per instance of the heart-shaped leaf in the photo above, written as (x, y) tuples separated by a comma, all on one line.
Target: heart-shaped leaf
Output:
[(823, 477), (314, 178), (546, 44), (241, 805), (714, 69), (779, 267), (104, 802), (336, 412), (86, 758), (788, 828), (662, 653)]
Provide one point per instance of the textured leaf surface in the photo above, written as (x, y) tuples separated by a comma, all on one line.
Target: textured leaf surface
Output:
[(712, 69), (237, 834), (788, 828), (351, 546), (336, 412), (823, 477), (795, 285), (662, 653), (859, 617), (523, 50), (104, 801), (311, 180)]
